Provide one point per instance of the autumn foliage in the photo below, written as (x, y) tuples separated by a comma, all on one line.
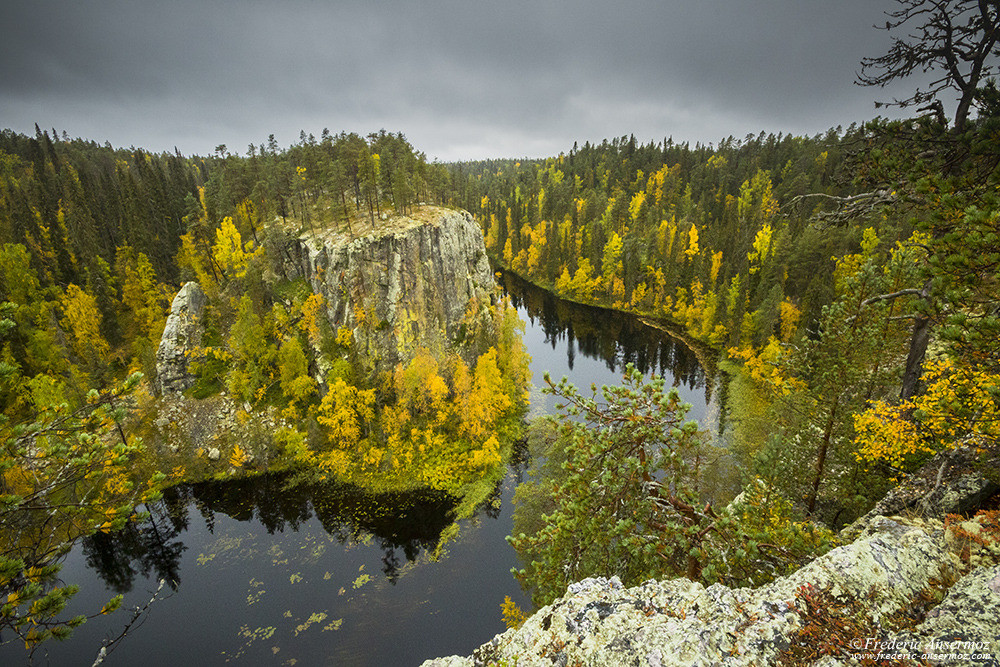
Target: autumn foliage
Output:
[(438, 424)]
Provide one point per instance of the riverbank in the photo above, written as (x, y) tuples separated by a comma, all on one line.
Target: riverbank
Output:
[(246, 550), (706, 350)]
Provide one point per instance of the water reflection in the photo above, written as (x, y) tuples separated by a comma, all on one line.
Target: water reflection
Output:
[(598, 343), (259, 558), (402, 524), (151, 549), (615, 338)]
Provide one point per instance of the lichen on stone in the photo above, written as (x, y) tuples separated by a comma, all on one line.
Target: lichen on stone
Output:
[(887, 584)]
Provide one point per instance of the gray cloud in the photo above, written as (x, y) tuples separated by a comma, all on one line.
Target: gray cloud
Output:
[(462, 79)]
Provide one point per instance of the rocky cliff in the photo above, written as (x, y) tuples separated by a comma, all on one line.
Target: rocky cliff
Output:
[(181, 334), (407, 283), (907, 590)]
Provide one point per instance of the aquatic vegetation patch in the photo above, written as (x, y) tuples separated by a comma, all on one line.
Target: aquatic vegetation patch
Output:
[(316, 617)]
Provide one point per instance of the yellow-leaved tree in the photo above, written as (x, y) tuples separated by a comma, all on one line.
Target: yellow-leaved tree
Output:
[(145, 303), (293, 369), (82, 321), (692, 249), (252, 368), (959, 401), (347, 413), (230, 252)]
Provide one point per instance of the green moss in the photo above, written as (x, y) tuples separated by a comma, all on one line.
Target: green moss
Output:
[(294, 291), (208, 379)]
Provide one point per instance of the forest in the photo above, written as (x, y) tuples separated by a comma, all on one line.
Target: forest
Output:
[(849, 280), (85, 305), (846, 281)]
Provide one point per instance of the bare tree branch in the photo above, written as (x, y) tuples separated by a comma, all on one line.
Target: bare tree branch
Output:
[(849, 207), (138, 613), (958, 38), (911, 291)]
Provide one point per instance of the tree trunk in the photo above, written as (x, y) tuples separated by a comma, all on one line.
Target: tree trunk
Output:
[(915, 359), (962, 110), (824, 447), (918, 348)]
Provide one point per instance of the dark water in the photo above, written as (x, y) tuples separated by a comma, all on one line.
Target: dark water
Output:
[(592, 346), (264, 574)]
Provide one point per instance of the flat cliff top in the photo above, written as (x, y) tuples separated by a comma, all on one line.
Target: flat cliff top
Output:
[(393, 223)]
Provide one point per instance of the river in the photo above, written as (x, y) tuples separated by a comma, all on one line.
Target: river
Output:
[(264, 574)]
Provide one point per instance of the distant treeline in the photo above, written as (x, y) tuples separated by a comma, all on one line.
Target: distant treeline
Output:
[(716, 238), (72, 202)]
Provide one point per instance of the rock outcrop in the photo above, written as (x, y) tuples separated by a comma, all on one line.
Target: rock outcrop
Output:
[(196, 439), (181, 334), (951, 482), (408, 283), (917, 589), (871, 592)]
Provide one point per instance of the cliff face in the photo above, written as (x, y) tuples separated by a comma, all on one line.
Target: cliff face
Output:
[(407, 284), (181, 334)]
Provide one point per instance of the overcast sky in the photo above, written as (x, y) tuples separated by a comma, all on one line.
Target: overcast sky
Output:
[(462, 79)]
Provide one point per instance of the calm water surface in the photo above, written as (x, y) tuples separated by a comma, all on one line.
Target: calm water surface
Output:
[(310, 575)]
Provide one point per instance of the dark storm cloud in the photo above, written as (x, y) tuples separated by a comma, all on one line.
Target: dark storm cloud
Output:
[(462, 79)]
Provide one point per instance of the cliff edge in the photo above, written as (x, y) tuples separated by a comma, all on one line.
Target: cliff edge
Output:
[(407, 283)]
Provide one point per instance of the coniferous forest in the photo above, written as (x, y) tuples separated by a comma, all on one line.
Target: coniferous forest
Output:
[(846, 284)]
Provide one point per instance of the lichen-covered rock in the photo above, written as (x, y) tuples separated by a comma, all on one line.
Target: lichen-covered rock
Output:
[(964, 624), (405, 285), (872, 582), (450, 661), (181, 334), (952, 482)]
